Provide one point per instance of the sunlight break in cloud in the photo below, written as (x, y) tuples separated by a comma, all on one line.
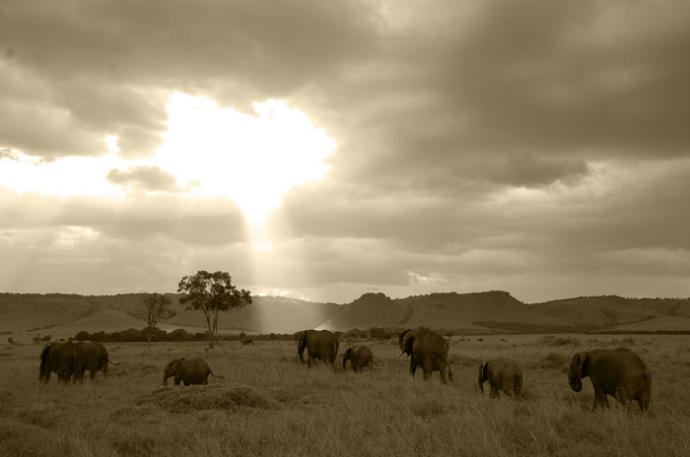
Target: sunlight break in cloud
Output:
[(252, 158)]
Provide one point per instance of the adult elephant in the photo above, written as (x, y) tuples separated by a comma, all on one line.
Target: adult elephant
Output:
[(59, 358), (360, 357), (617, 372), (188, 371), (320, 345), (92, 357), (503, 375), (428, 350)]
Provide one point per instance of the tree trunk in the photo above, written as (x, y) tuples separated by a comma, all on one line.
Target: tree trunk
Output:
[(215, 324), (208, 326)]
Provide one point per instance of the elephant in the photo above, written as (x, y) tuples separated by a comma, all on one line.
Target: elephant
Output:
[(360, 357), (91, 357), (188, 371), (320, 344), (428, 350), (617, 372), (59, 358), (503, 375)]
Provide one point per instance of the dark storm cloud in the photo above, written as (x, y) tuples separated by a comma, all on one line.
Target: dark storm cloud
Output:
[(536, 79)]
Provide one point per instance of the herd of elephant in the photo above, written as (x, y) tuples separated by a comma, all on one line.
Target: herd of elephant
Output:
[(619, 373)]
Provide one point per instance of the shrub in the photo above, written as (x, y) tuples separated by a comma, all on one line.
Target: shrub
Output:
[(179, 334)]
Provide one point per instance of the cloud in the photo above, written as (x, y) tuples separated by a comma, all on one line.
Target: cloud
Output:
[(144, 177), (536, 146), (106, 67)]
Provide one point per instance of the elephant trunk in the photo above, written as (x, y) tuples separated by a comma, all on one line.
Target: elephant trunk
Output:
[(481, 378), (576, 384), (301, 345)]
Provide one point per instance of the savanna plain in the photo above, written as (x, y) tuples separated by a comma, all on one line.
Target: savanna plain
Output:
[(268, 404)]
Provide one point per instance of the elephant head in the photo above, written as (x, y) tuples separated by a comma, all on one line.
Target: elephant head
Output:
[(406, 340), (44, 369), (170, 370), (483, 376), (301, 344), (579, 368), (347, 356)]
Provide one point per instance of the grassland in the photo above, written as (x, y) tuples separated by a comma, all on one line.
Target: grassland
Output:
[(268, 404)]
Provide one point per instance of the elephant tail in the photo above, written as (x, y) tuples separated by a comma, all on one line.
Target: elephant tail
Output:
[(215, 375), (645, 391), (517, 384)]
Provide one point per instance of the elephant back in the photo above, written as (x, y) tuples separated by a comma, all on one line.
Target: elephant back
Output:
[(430, 342)]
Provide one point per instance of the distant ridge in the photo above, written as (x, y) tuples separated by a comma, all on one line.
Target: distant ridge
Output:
[(27, 315), (449, 310)]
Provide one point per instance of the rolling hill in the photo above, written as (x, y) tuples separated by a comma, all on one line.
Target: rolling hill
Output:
[(23, 316), (612, 311)]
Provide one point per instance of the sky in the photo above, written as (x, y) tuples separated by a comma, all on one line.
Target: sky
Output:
[(322, 150)]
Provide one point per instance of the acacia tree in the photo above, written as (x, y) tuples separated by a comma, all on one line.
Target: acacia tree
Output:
[(211, 293), (156, 307)]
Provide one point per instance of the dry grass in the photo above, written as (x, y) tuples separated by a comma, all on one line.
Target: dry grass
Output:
[(270, 405)]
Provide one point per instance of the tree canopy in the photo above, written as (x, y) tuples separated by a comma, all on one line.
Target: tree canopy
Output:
[(156, 307), (211, 293)]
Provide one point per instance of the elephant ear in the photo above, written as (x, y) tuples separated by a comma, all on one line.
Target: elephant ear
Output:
[(407, 341), (172, 366), (579, 366), (584, 364)]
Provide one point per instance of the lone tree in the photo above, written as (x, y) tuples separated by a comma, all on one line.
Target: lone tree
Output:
[(211, 293), (157, 307)]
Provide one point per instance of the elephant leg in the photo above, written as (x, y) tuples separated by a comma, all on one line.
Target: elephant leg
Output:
[(509, 389), (443, 371), (600, 400), (643, 400), (92, 375), (494, 392), (428, 368)]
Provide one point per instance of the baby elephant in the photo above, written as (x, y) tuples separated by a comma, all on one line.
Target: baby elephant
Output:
[(503, 375), (617, 372), (360, 357), (188, 371)]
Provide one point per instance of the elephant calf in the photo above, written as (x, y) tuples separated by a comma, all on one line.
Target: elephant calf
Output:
[(503, 375), (617, 372), (360, 357), (188, 371)]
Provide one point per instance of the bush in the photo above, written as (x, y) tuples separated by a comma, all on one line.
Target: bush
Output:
[(179, 334)]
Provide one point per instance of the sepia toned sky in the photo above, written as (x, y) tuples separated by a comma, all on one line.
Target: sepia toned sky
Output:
[(325, 149)]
